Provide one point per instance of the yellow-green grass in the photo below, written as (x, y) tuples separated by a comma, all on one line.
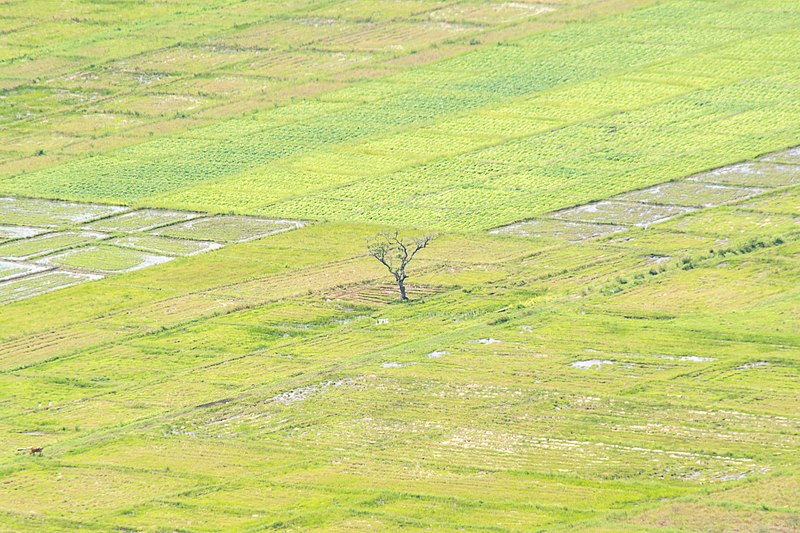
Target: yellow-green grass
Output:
[(639, 380), (288, 408)]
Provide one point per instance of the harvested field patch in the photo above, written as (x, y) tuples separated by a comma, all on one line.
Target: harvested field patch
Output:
[(596, 457), (378, 293), (703, 517), (494, 12), (613, 212)]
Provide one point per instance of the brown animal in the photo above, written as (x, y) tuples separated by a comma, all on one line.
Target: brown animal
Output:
[(37, 450)]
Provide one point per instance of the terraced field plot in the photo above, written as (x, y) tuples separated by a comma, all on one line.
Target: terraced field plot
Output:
[(663, 202), (602, 337), (127, 242)]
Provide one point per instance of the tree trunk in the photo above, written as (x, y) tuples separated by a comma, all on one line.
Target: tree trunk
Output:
[(401, 284)]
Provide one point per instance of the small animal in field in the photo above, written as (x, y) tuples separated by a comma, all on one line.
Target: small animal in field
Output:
[(33, 450)]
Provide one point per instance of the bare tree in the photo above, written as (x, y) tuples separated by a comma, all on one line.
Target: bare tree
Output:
[(395, 253)]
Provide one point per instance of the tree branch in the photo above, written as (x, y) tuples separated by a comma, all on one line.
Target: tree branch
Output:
[(395, 253)]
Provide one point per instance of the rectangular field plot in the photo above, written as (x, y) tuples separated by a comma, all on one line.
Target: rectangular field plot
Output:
[(37, 212), (559, 229), (113, 240), (752, 175), (228, 229), (610, 212), (165, 245), (688, 193), (29, 286), (47, 244), (142, 220), (11, 269), (735, 224), (19, 232), (107, 259)]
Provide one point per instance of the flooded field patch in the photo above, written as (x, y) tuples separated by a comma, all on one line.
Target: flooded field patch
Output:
[(39, 212), (47, 244), (79, 241), (752, 174), (107, 259), (559, 229), (19, 232), (13, 269), (165, 245), (613, 212), (691, 194), (142, 220), (28, 286), (228, 229)]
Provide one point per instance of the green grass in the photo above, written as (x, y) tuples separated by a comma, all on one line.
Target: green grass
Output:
[(296, 386), (409, 157), (276, 383)]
